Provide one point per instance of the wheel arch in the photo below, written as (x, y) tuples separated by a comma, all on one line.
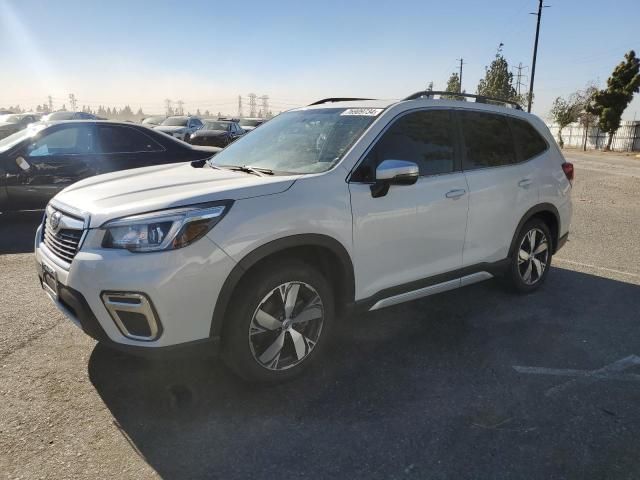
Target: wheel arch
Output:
[(549, 214), (322, 251)]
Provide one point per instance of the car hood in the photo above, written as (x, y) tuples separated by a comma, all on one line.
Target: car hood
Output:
[(140, 190), (7, 125), (169, 128)]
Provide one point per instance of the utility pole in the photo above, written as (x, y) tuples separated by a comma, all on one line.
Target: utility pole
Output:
[(461, 63), (240, 106), (72, 102), (535, 51)]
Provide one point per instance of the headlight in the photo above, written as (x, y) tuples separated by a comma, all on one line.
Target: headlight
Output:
[(164, 230)]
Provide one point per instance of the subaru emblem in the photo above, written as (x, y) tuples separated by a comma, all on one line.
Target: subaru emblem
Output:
[(55, 220)]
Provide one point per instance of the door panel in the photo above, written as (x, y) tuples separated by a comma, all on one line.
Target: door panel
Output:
[(413, 232), (496, 205)]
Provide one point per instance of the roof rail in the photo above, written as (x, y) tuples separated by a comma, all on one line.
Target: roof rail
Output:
[(337, 99), (478, 98)]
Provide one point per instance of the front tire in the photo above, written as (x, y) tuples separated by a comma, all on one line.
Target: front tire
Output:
[(280, 319), (531, 259)]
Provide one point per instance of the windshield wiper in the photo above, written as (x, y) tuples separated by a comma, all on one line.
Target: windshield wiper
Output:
[(248, 169)]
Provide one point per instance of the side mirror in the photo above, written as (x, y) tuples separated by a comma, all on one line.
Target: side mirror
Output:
[(394, 172), (23, 164)]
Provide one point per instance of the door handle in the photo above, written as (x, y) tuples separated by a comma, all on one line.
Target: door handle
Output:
[(455, 193), (525, 182)]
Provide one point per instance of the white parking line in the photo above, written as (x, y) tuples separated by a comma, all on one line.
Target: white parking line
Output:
[(608, 372), (588, 265)]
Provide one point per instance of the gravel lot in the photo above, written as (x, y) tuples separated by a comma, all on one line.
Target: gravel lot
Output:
[(474, 383)]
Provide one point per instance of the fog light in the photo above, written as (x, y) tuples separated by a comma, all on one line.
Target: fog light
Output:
[(133, 314)]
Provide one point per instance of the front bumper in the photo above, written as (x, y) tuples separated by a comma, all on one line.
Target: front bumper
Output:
[(182, 285)]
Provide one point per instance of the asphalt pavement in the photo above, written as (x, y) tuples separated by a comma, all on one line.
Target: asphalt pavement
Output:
[(473, 383)]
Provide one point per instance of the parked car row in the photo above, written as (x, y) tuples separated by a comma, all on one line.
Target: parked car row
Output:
[(192, 129)]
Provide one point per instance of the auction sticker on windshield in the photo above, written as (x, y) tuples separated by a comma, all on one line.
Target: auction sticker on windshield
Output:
[(367, 112)]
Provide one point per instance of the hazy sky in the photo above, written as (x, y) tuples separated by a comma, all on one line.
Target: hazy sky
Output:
[(208, 52)]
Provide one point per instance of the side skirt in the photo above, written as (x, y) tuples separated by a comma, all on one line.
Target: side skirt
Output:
[(432, 285)]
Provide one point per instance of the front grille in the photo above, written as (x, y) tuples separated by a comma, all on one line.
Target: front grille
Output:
[(62, 241)]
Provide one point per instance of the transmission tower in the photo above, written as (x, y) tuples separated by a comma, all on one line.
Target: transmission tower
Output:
[(50, 103), (73, 102), (240, 106), (265, 105), (519, 77), (180, 109), (167, 106), (252, 104)]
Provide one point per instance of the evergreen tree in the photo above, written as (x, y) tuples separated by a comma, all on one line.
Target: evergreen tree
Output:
[(610, 103), (498, 80), (453, 86)]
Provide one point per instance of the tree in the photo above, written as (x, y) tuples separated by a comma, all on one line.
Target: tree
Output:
[(586, 118), (610, 103), (565, 111), (498, 80), (453, 86)]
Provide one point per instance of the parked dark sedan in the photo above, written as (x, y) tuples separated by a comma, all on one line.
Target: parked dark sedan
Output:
[(15, 122), (217, 133), (39, 161)]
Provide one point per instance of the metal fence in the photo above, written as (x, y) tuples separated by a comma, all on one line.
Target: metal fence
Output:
[(626, 138)]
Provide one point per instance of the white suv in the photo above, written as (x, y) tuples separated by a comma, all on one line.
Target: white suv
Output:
[(337, 206)]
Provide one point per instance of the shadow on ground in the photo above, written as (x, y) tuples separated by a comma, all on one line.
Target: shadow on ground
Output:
[(422, 390), (17, 231)]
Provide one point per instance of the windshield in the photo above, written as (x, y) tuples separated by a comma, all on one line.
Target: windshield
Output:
[(249, 122), (175, 122), (302, 141), (12, 140), (216, 126)]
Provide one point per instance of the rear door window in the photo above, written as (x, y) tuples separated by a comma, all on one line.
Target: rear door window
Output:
[(529, 142), (116, 139), (488, 140)]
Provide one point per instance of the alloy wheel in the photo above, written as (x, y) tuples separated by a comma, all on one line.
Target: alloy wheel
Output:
[(286, 326), (533, 256)]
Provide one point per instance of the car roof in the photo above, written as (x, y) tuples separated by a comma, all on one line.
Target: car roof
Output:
[(423, 102), (88, 121)]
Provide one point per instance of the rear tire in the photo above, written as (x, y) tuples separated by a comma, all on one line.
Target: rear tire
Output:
[(531, 258), (279, 322)]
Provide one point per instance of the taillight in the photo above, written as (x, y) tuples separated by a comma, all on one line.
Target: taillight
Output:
[(567, 168)]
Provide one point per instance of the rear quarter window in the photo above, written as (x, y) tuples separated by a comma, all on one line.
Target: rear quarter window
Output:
[(529, 142)]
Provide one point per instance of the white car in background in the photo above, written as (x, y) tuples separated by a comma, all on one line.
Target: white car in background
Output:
[(337, 207), (180, 126)]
